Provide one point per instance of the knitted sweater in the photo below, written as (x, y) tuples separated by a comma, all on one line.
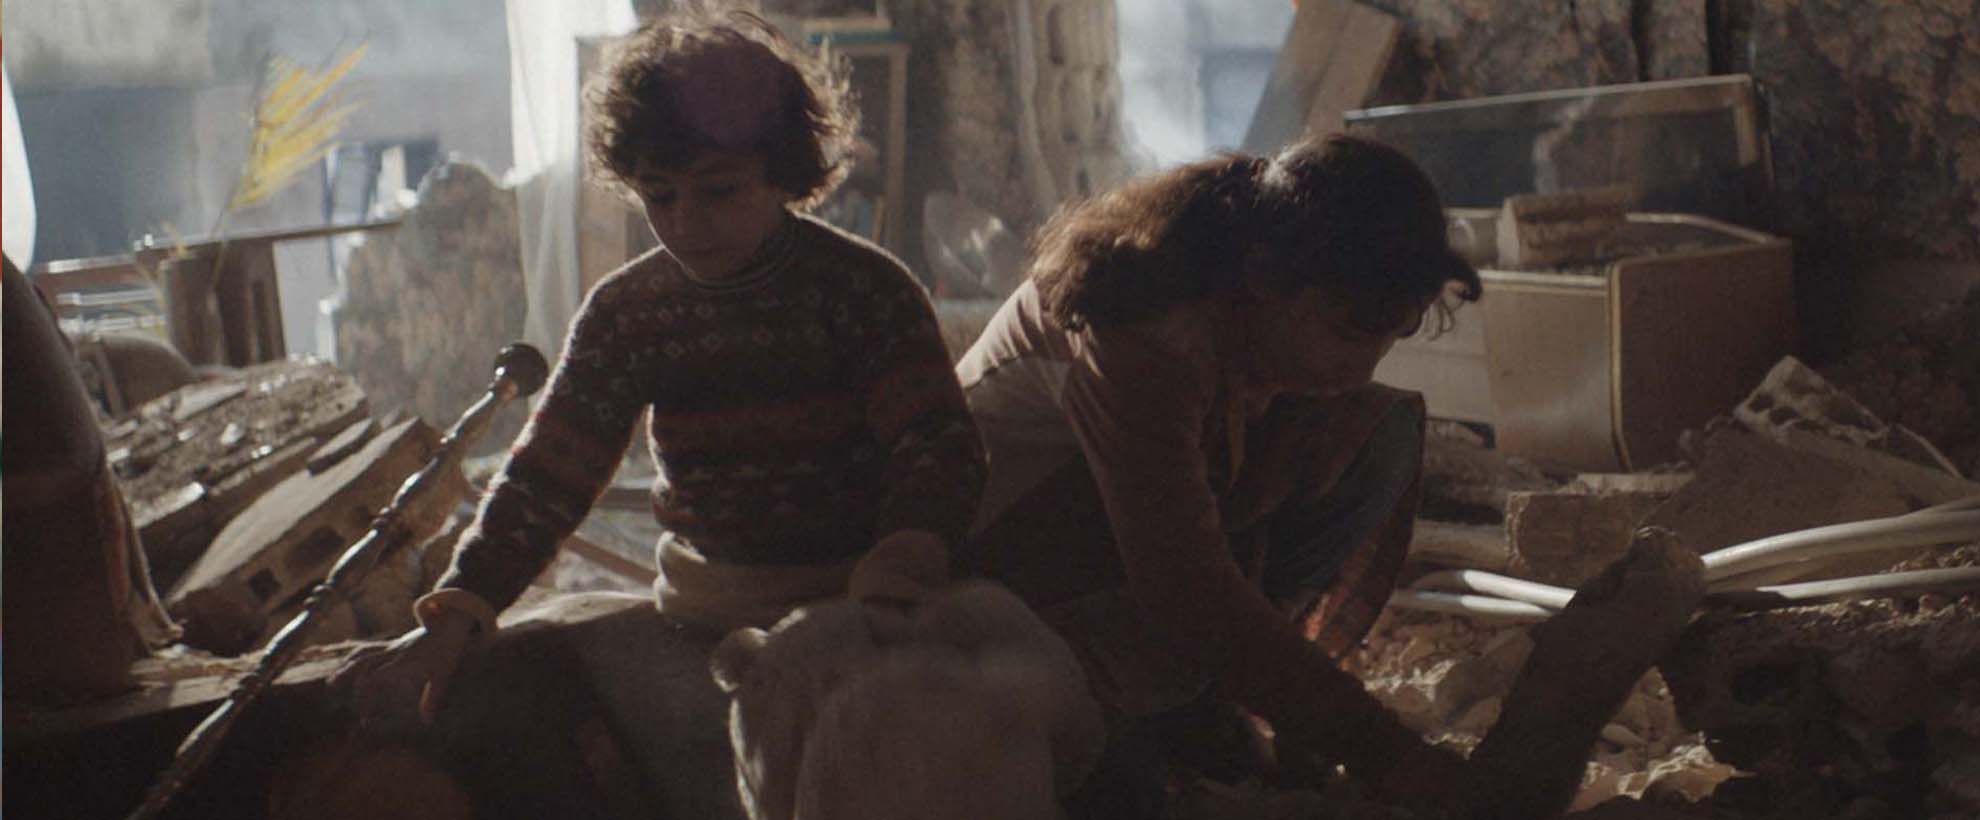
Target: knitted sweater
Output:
[(801, 409)]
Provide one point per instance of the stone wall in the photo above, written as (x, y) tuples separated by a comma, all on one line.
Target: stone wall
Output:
[(1456, 49), (1875, 122), (424, 308), (1013, 105)]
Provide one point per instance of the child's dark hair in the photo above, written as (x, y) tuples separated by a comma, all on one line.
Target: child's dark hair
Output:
[(1343, 213), (688, 84)]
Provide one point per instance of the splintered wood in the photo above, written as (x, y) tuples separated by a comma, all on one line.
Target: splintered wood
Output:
[(1330, 62), (1549, 230)]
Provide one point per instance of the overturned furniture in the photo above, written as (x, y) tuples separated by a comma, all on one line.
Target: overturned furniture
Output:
[(1597, 367), (1600, 368)]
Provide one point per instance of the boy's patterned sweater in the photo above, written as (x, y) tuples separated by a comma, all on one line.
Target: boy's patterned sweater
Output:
[(800, 410)]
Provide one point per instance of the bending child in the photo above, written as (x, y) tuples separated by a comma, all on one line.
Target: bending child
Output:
[(1196, 482), (805, 419)]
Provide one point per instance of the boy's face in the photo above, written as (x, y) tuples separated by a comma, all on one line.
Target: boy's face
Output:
[(713, 214)]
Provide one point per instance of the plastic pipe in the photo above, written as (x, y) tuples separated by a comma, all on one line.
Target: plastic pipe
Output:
[(1494, 584), (1955, 581), (1910, 530), (1460, 604)]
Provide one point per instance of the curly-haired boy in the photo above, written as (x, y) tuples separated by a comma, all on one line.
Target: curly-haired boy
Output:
[(805, 419)]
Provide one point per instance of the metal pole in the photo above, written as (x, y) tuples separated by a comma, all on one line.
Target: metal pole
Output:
[(419, 506)]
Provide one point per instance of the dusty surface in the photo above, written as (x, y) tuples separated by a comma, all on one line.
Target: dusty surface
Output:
[(1926, 378), (191, 459), (1445, 676), (1866, 709), (186, 435)]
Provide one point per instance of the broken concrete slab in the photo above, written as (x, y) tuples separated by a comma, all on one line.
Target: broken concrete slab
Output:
[(1566, 537), (258, 568), (1663, 484), (1798, 408), (186, 476), (1749, 487)]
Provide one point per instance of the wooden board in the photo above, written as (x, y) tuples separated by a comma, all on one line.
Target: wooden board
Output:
[(1331, 60), (1694, 332)]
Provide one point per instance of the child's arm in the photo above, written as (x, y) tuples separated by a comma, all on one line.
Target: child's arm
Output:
[(560, 464), (915, 409)]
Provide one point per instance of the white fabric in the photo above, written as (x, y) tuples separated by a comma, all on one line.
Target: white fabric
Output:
[(1018, 399), (18, 208), (543, 83)]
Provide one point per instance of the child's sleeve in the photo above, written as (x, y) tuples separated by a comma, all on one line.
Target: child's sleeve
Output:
[(914, 406), (560, 464), (1139, 410)]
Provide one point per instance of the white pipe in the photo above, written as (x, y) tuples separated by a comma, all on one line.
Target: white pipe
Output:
[(1477, 605), (1971, 502), (1910, 530), (1958, 580), (1491, 583), (1768, 576), (1741, 565)]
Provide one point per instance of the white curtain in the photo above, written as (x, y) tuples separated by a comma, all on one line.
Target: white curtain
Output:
[(543, 82), (18, 208)]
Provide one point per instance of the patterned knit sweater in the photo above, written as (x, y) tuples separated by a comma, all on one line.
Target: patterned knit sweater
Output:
[(801, 409)]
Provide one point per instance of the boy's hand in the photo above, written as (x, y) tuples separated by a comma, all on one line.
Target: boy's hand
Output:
[(904, 568), (407, 678)]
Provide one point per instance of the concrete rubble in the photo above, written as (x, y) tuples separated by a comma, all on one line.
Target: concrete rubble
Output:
[(1819, 711), (1861, 709), (189, 461), (1864, 709)]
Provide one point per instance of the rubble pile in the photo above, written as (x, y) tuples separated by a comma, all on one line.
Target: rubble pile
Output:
[(1445, 676), (190, 460), (1864, 709), (247, 486)]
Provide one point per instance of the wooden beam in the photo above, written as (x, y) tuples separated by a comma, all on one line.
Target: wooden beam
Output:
[(1332, 59)]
